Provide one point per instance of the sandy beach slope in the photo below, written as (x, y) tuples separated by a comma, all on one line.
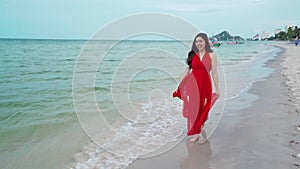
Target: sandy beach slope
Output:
[(264, 135)]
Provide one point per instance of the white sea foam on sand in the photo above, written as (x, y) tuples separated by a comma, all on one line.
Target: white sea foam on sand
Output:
[(134, 140)]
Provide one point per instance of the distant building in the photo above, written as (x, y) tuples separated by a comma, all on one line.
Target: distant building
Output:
[(277, 31), (293, 27), (265, 35)]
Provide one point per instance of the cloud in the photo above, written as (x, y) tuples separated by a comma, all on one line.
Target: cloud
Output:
[(186, 7), (287, 22), (205, 5)]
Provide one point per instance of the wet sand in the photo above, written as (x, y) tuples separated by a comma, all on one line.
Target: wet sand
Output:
[(262, 135)]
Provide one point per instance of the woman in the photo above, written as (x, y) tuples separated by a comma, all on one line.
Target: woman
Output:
[(195, 89)]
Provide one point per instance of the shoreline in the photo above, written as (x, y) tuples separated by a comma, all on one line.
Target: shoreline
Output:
[(258, 137)]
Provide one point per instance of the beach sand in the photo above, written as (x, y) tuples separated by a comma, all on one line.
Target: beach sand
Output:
[(262, 135)]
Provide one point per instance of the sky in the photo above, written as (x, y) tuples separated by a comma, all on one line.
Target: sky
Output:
[(80, 19)]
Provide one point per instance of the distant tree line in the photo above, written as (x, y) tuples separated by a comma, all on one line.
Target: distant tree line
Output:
[(291, 34)]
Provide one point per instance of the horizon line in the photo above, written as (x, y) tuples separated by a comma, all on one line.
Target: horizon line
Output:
[(79, 39)]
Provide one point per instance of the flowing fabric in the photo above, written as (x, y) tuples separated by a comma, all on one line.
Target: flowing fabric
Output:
[(196, 92)]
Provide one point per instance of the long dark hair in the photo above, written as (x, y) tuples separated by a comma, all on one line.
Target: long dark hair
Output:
[(194, 49)]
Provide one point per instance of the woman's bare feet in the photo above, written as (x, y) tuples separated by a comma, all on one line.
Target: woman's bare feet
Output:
[(203, 138), (194, 138)]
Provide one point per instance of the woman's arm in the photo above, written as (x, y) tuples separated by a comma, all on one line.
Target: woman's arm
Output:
[(186, 72), (214, 69)]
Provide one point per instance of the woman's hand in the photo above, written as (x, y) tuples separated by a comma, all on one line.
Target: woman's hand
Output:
[(218, 94)]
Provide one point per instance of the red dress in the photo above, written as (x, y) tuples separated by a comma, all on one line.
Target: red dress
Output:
[(196, 92)]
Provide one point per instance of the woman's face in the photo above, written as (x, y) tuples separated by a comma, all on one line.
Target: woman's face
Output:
[(200, 43)]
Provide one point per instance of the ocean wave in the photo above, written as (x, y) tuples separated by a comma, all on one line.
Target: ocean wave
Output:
[(133, 140)]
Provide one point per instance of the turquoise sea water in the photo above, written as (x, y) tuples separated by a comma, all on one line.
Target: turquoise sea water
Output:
[(39, 124)]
